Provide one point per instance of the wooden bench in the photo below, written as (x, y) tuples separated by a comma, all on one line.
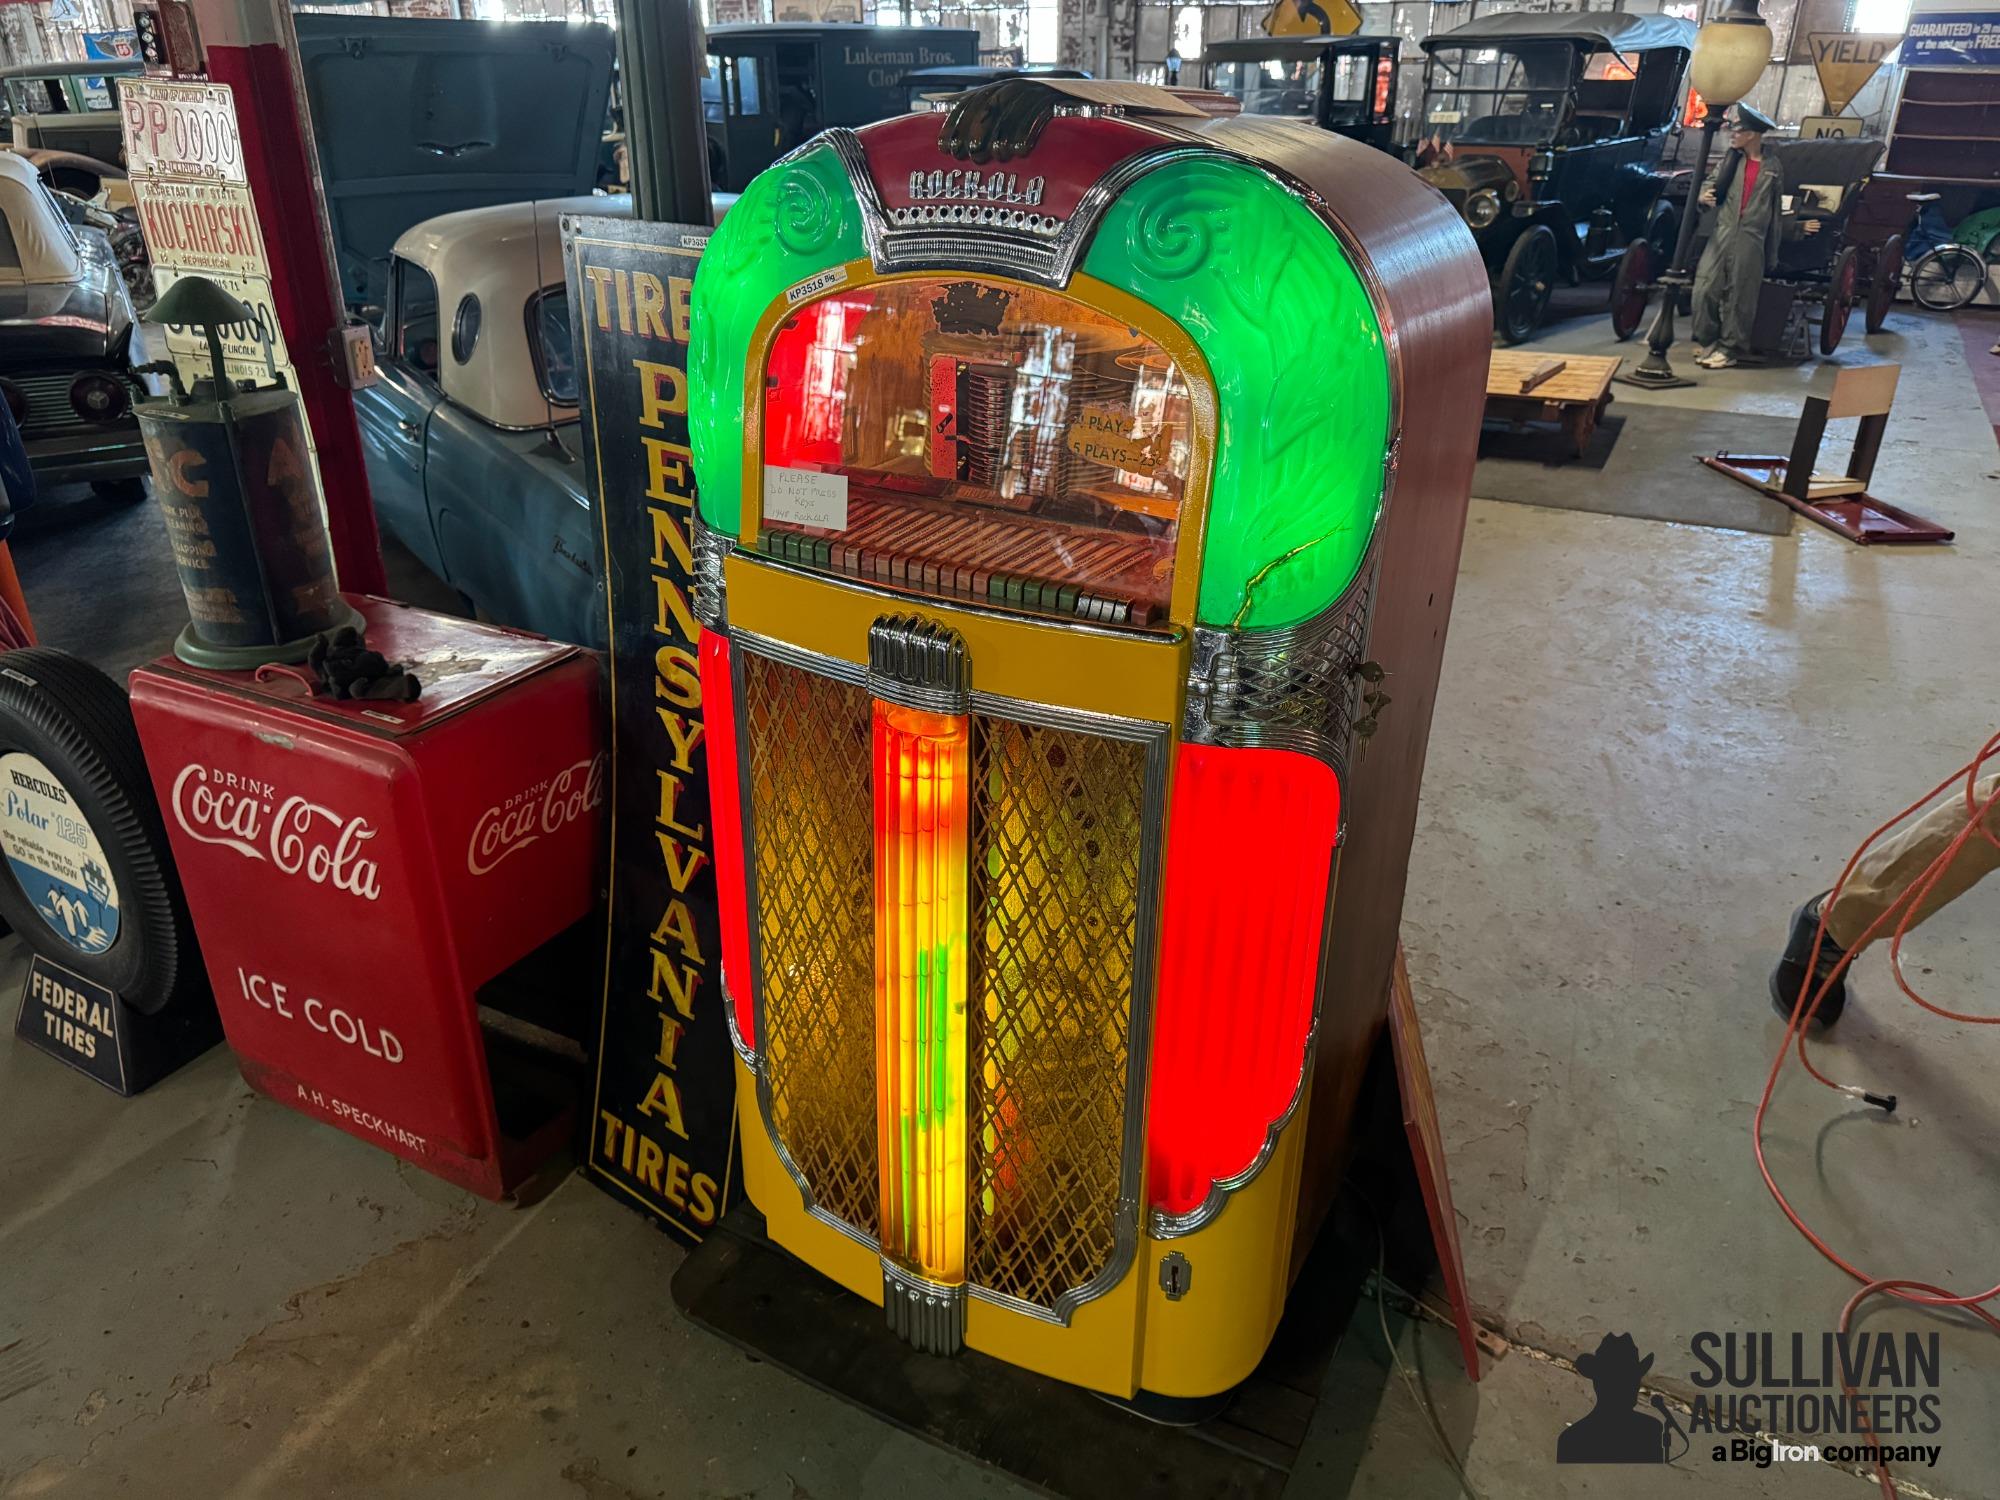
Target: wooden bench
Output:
[(1526, 387)]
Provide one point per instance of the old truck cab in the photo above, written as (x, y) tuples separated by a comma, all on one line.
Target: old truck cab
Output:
[(771, 89)]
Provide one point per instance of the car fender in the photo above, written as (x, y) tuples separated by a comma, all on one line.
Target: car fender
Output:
[(514, 524)]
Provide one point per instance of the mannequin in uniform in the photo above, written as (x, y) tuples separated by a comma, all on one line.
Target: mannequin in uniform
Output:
[(1750, 188)]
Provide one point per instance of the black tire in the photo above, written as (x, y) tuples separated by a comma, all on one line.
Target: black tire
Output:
[(1521, 295), (123, 491), (1882, 284), (1628, 289), (1947, 278), (75, 181), (1841, 283), (1663, 229), (78, 723)]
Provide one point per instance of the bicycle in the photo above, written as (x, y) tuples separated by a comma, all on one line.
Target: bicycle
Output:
[(1948, 273)]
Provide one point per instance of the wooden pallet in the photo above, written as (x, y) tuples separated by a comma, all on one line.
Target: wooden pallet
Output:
[(1569, 392)]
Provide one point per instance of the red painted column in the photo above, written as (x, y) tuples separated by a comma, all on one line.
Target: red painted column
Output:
[(246, 45)]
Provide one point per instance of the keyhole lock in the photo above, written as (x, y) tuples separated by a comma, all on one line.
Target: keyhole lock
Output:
[(1176, 1275)]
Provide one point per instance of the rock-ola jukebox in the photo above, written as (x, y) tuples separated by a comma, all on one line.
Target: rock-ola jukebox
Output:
[(1071, 464)]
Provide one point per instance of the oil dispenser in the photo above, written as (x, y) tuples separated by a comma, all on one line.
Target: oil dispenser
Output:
[(236, 481)]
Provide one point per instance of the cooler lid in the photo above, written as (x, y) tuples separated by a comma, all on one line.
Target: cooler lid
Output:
[(459, 662)]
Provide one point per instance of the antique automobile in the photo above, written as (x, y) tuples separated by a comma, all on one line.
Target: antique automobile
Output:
[(771, 88), (97, 195), (67, 106), (1546, 131), (1346, 84), (65, 338), (472, 436), (922, 84), (1811, 291), (464, 114)]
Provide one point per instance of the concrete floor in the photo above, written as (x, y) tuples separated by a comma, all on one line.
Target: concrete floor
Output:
[(1652, 742)]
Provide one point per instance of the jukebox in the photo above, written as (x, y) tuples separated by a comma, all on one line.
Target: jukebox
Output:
[(1065, 462)]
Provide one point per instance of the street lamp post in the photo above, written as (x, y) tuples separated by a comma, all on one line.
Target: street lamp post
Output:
[(1730, 53)]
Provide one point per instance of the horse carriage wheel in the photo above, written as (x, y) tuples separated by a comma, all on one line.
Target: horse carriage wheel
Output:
[(1840, 285), (1882, 283), (1628, 289)]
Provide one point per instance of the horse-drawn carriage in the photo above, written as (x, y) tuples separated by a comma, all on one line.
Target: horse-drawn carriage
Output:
[(1810, 293)]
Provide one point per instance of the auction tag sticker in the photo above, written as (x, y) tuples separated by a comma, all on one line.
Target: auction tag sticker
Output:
[(805, 497), (181, 129), (812, 286), (55, 856)]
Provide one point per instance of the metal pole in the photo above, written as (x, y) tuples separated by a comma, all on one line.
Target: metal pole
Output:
[(249, 45), (1654, 371), (659, 68)]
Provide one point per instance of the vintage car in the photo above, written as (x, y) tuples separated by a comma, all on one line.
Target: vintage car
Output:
[(66, 106), (1346, 84), (65, 340), (773, 87), (1546, 131), (472, 436)]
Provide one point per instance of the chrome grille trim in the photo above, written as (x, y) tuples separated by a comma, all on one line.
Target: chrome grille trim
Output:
[(928, 1315), (47, 399), (711, 551), (746, 645), (1154, 741), (1289, 689)]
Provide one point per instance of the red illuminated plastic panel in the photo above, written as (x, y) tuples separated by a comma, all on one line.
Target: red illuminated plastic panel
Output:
[(1249, 857), (719, 728)]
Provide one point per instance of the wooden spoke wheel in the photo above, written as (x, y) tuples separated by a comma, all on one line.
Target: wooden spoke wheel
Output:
[(1882, 284), (1840, 288), (1628, 289)]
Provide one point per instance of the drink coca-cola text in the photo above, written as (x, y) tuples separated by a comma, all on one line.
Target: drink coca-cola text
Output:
[(509, 827), (299, 837)]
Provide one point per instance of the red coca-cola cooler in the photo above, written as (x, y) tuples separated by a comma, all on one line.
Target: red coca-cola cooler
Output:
[(362, 874)]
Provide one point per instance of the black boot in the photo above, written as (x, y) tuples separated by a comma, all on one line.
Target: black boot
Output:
[(1790, 975)]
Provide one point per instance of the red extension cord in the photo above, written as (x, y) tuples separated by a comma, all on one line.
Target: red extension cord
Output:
[(1921, 1293)]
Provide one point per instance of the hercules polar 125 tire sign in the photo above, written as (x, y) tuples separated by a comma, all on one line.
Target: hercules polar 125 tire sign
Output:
[(87, 880)]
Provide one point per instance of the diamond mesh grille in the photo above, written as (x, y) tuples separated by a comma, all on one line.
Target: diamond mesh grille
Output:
[(1056, 835), (812, 820)]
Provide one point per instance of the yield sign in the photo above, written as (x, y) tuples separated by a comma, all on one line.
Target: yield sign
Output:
[(1846, 60), (1312, 18)]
